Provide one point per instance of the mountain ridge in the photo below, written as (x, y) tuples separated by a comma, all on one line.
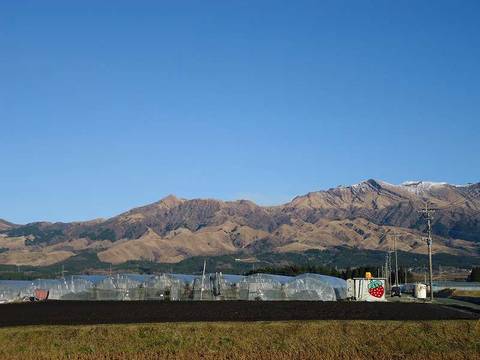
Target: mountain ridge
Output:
[(363, 215)]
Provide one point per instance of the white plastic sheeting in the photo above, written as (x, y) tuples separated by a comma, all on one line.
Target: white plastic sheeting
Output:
[(215, 286), (312, 287), (14, 289), (263, 287), (338, 285), (309, 287)]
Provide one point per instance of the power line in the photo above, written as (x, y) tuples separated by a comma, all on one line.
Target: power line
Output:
[(468, 196), (461, 232), (452, 204), (396, 258), (428, 213)]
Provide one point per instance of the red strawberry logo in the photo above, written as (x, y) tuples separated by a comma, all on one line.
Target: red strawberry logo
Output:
[(375, 288)]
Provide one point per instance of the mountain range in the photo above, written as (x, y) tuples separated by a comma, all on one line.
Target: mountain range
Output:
[(368, 215)]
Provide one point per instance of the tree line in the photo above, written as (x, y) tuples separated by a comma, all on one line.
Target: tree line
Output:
[(475, 274), (348, 273)]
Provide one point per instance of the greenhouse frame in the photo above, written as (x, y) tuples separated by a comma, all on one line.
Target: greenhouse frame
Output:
[(180, 287)]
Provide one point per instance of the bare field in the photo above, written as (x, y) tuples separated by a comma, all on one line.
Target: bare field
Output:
[(135, 312), (359, 339)]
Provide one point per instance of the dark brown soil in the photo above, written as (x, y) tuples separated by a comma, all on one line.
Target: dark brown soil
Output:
[(116, 312)]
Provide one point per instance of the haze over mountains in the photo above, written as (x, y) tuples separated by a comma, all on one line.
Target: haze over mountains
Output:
[(366, 216)]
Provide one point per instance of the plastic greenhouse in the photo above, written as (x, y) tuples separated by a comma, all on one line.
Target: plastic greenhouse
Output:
[(174, 287), (12, 289), (309, 287)]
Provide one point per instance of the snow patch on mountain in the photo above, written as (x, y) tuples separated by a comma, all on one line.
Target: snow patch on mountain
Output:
[(415, 187), (420, 186)]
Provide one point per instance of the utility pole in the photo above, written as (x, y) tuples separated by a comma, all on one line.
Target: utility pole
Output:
[(203, 279), (387, 270), (390, 270), (396, 258), (427, 213)]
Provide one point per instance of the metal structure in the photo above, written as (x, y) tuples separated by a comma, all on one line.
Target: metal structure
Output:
[(396, 258), (216, 286), (388, 270), (203, 279), (428, 214)]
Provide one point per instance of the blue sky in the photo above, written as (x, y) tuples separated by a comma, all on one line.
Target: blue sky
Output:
[(114, 104)]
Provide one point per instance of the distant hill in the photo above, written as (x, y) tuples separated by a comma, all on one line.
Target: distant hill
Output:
[(5, 225), (363, 216)]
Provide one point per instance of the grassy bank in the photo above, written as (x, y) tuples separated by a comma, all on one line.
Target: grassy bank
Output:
[(265, 340)]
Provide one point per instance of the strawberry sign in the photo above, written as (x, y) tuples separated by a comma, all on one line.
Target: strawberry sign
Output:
[(375, 288)]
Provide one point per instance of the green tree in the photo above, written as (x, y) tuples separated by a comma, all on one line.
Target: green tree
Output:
[(475, 274)]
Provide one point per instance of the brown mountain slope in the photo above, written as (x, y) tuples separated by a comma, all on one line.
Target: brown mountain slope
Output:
[(5, 225), (179, 244), (397, 205), (364, 215)]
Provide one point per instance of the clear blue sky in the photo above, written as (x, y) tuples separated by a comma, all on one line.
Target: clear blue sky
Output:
[(107, 105)]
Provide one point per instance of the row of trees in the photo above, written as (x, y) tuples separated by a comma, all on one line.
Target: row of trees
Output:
[(294, 270), (349, 273), (475, 274), (404, 275)]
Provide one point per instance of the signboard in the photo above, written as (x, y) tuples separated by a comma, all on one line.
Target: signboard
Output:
[(369, 289)]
